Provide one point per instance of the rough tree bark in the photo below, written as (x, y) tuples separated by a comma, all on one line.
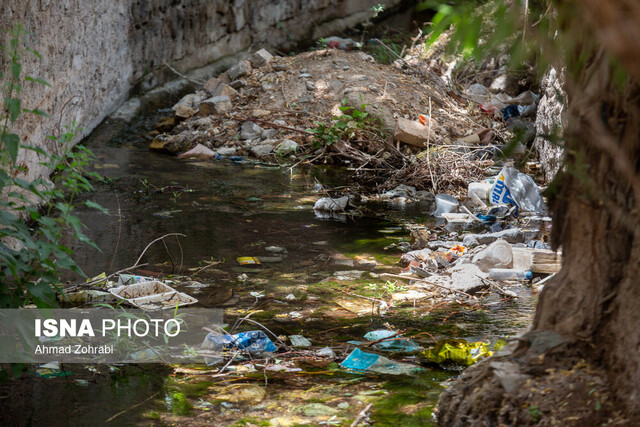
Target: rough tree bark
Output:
[(588, 317)]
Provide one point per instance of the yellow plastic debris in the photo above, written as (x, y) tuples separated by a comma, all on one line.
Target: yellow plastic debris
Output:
[(248, 260), (97, 278), (458, 351)]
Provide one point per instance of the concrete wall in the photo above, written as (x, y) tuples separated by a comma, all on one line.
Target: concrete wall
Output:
[(98, 52)]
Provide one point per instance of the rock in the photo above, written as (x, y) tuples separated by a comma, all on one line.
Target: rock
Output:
[(260, 113), (241, 393), (250, 130), (184, 112), (410, 295), (348, 274), (365, 57), (317, 410), (261, 150), (237, 84), (420, 255), (269, 133), (344, 262), (286, 147), (215, 104), (287, 421), (241, 69), (198, 151), (335, 85), (224, 89), (212, 84), (411, 132), (260, 58), (280, 67), (226, 151), (187, 101), (367, 263), (329, 204), (512, 235), (172, 144), (166, 124), (467, 278), (311, 86), (437, 244)]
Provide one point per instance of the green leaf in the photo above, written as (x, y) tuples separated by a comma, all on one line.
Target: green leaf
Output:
[(13, 105), (37, 112), (11, 142), (97, 206), (42, 293), (37, 80), (16, 68)]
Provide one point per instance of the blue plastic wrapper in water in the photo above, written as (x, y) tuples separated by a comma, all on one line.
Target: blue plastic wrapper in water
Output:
[(361, 361), (253, 342), (400, 344)]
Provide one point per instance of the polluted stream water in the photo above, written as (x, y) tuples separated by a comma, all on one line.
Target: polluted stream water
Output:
[(316, 279)]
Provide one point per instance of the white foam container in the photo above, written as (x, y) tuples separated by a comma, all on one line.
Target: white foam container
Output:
[(152, 295)]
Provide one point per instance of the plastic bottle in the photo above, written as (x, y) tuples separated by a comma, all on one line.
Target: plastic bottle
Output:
[(509, 274), (496, 255)]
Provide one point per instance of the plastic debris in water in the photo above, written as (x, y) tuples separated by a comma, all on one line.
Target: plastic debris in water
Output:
[(252, 341), (248, 260), (299, 341), (398, 344), (458, 351), (361, 361)]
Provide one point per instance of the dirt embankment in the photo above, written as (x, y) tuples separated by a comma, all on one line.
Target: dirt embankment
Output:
[(390, 125)]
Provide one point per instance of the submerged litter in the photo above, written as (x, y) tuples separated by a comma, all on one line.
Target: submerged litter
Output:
[(299, 341), (397, 344), (255, 342), (458, 351), (361, 361), (152, 295)]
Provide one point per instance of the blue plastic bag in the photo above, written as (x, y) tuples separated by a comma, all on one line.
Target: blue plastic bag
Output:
[(252, 341)]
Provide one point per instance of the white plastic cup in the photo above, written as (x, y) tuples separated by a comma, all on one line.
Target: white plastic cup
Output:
[(445, 203)]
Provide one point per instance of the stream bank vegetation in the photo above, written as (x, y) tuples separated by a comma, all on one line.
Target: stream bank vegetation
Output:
[(36, 213)]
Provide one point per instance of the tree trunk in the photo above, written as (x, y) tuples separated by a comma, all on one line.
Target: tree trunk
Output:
[(591, 310)]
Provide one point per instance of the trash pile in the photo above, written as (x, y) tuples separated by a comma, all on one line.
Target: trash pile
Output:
[(511, 242), (389, 126)]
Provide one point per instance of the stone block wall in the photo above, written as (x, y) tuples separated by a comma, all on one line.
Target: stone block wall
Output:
[(96, 53)]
